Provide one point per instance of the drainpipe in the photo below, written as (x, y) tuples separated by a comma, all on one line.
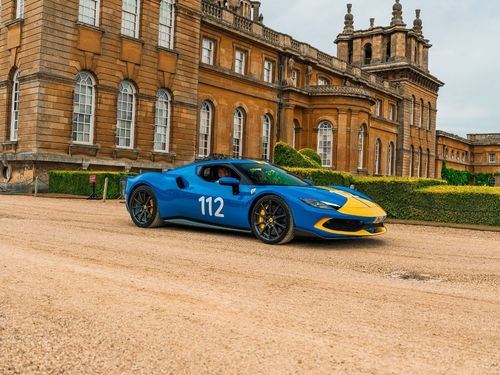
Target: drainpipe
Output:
[(281, 68)]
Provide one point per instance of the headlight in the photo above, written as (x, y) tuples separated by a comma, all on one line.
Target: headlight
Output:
[(320, 204), (380, 219)]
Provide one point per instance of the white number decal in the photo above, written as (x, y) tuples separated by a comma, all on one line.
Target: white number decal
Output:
[(207, 202)]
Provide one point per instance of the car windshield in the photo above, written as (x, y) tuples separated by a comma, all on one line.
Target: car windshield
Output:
[(266, 174)]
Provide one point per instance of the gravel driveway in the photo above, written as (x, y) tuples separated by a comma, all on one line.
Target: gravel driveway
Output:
[(82, 290)]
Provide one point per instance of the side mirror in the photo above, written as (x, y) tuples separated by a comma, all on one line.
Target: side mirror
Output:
[(231, 181), (310, 182)]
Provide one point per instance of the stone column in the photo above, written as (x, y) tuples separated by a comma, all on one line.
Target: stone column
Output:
[(342, 154)]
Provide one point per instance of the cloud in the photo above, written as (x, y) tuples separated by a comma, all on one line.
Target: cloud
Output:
[(465, 53)]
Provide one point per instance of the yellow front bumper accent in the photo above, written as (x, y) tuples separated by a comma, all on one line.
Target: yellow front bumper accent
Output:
[(362, 233)]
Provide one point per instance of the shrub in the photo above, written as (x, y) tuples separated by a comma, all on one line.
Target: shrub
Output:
[(463, 178), (311, 154), (457, 204), (77, 182), (323, 177), (394, 194), (286, 156)]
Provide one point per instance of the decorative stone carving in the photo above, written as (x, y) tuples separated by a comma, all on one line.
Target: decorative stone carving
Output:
[(349, 21), (290, 67), (309, 74), (417, 24), (372, 23), (397, 14)]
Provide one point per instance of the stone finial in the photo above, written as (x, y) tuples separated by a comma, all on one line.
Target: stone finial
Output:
[(417, 24), (372, 23), (349, 21), (397, 14)]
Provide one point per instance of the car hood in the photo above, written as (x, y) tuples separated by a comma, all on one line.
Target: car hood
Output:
[(350, 203)]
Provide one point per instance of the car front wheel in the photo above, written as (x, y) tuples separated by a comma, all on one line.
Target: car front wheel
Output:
[(144, 208), (272, 221)]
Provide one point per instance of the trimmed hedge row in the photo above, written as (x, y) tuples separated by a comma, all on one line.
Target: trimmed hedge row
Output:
[(286, 156), (456, 204), (77, 182), (394, 194), (311, 154), (323, 177), (463, 178)]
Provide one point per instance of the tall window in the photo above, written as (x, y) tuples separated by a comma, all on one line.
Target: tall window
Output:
[(162, 121), (126, 115), (266, 138), (427, 162), (378, 156), (322, 81), (296, 127), (361, 146), (378, 108), (392, 112), (368, 54), (268, 71), (492, 158), (325, 143), (238, 126), (14, 115), (412, 111), (88, 12), (130, 18), (421, 114), (19, 9), (207, 51), (84, 108), (166, 31), (205, 132), (429, 115), (240, 61), (388, 51), (391, 160), (411, 161), (419, 162)]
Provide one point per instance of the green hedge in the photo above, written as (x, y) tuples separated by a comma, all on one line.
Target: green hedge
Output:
[(323, 177), (394, 194), (457, 204), (286, 156), (463, 178), (311, 154), (77, 182)]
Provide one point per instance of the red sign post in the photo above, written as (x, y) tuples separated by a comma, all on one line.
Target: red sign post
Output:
[(92, 181)]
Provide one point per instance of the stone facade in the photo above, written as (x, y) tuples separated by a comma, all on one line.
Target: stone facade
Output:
[(366, 96), (478, 153)]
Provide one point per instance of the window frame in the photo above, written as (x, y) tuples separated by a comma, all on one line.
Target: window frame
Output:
[(362, 138), (492, 158), (270, 78), (137, 20), (325, 129), (97, 11), (244, 54), (212, 51), (266, 143), (323, 81), (133, 119), (412, 110), (169, 44), (20, 8), (391, 158), (168, 126), (411, 161), (378, 157), (93, 110), (210, 119), (15, 103), (242, 120)]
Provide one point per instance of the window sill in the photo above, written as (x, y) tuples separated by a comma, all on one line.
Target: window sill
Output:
[(90, 27), (9, 146), (83, 149), (163, 156), (125, 153), (169, 50), (133, 39), (14, 22)]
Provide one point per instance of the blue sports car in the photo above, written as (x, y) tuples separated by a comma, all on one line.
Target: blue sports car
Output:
[(254, 196)]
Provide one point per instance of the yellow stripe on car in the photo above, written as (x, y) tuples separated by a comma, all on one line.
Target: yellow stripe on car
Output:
[(362, 233)]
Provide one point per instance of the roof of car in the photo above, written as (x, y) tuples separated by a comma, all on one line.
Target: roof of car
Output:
[(229, 161)]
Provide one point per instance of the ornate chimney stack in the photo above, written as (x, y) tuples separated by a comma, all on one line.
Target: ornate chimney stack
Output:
[(349, 21), (397, 14), (417, 24)]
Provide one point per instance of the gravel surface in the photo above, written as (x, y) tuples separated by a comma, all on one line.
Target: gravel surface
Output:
[(82, 290)]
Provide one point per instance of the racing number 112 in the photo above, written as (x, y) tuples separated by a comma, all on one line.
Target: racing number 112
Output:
[(208, 202)]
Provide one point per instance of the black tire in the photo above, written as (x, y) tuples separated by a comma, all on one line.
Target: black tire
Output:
[(272, 221), (144, 208)]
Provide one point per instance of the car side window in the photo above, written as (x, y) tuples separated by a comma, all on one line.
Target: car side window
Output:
[(214, 173)]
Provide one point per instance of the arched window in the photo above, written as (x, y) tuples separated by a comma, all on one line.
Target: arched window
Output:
[(19, 9), (131, 18), (368, 54), (391, 159), (84, 108), (88, 12), (166, 30), (411, 161), (266, 138), (162, 121), (238, 129), (378, 156), (125, 126), (419, 162), (427, 163), (15, 102), (361, 146), (429, 115), (412, 111), (205, 132), (325, 143), (421, 114)]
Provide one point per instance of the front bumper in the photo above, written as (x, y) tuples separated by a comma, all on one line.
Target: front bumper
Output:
[(350, 228)]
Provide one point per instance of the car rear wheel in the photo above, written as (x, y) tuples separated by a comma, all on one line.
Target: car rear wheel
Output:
[(144, 208), (272, 221)]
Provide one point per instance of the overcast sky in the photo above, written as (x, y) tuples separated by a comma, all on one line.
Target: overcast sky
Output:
[(465, 53)]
